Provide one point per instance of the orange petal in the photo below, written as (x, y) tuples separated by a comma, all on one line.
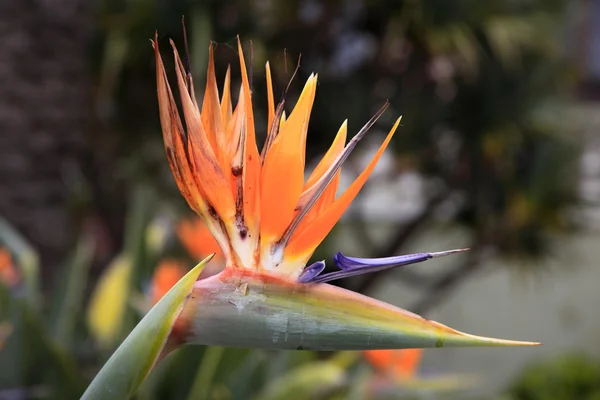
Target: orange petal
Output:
[(306, 239), (233, 130), (197, 239), (270, 99), (209, 175), (188, 79), (211, 111), (283, 170), (328, 159), (226, 99), (326, 198), (235, 149), (312, 184), (175, 141), (251, 168), (173, 136), (309, 198), (274, 130)]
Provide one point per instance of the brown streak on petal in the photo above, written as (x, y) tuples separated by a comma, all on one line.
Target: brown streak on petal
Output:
[(172, 130), (236, 171), (208, 173), (252, 164), (176, 140), (273, 131)]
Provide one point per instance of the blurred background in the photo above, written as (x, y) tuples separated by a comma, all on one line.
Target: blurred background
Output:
[(498, 151)]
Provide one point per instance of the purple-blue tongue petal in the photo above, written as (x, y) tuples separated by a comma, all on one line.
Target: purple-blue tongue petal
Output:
[(351, 263), (311, 272), (352, 266)]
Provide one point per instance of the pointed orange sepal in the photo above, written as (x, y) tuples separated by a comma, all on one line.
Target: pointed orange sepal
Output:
[(326, 162), (208, 173), (211, 113), (173, 136), (306, 239), (226, 99), (311, 185), (252, 167), (282, 177), (270, 98), (334, 151)]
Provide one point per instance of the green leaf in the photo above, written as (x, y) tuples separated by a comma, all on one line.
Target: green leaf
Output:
[(126, 369), (69, 297), (305, 382), (206, 372), (139, 217), (30, 354)]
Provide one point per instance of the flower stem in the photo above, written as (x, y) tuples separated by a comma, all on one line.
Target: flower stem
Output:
[(206, 373)]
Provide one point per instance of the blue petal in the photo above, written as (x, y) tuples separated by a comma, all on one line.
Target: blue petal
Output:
[(351, 263), (311, 272), (352, 266)]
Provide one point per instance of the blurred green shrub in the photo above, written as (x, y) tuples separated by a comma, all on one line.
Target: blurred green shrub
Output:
[(574, 376)]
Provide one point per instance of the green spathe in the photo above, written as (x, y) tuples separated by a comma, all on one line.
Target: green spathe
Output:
[(240, 308), (127, 368)]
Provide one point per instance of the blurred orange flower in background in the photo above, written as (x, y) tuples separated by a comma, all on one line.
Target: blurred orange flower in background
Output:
[(199, 243), (197, 240), (10, 277), (8, 271), (398, 364), (167, 274)]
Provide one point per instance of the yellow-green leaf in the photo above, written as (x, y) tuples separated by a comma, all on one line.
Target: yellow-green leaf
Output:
[(108, 304), (126, 369)]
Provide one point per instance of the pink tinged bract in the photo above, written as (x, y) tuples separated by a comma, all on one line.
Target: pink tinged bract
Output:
[(240, 308)]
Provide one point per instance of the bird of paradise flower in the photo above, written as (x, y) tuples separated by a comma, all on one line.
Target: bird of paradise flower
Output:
[(267, 221)]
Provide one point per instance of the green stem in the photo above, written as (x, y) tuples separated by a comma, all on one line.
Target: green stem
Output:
[(206, 373)]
